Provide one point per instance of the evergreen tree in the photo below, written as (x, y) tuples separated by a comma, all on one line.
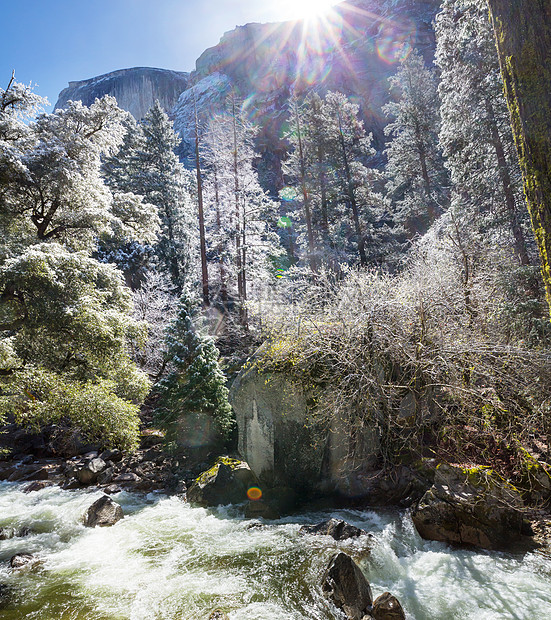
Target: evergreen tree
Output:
[(65, 319), (417, 179), (339, 214), (475, 133), (241, 216), (147, 165), (196, 384)]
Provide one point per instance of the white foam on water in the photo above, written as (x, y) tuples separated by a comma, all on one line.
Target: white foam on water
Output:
[(167, 560)]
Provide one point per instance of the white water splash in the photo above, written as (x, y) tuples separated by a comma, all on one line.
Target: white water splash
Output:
[(166, 560)]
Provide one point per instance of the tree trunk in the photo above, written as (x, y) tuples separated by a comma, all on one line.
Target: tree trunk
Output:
[(202, 240), (305, 196), (352, 197), (241, 280), (223, 277), (523, 37), (505, 177)]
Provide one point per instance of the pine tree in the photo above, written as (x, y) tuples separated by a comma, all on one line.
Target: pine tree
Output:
[(475, 132), (147, 166), (241, 241), (196, 386), (417, 179), (328, 172)]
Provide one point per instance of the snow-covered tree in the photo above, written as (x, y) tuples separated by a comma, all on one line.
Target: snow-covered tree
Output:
[(475, 132), (335, 191), (196, 386), (51, 180), (417, 180), (146, 165), (154, 305), (65, 318), (241, 217)]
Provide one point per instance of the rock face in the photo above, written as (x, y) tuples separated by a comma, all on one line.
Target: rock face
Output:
[(226, 482), (345, 585), (103, 512), (353, 51), (336, 528), (282, 443), (470, 507), (135, 89)]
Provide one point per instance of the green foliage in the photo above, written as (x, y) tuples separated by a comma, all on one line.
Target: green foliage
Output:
[(196, 383), (65, 318), (35, 396)]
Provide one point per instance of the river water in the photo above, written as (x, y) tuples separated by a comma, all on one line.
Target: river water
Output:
[(167, 560)]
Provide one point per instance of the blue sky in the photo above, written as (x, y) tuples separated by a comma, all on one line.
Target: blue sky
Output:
[(51, 42)]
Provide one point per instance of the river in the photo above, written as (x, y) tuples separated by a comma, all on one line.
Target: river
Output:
[(167, 560)]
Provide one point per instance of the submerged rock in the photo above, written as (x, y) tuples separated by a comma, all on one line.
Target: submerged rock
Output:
[(38, 485), (336, 528), (470, 507), (345, 585), (21, 560), (226, 482), (218, 614), (103, 512), (387, 607)]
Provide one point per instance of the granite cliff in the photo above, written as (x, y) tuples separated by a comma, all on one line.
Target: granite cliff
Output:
[(354, 50), (135, 89)]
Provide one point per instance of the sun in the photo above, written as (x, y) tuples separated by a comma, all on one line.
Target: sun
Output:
[(308, 9)]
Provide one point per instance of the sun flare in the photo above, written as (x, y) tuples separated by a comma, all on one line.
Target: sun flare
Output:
[(307, 9)]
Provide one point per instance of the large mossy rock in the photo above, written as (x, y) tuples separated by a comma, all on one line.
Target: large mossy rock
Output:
[(470, 507), (227, 482), (345, 585), (287, 442)]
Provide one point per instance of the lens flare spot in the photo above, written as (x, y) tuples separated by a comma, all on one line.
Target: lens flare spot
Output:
[(254, 494), (396, 40), (288, 194)]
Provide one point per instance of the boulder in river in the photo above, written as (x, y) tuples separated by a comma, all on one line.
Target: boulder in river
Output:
[(103, 512), (336, 528), (387, 607), (88, 473), (227, 482), (218, 614), (345, 585), (470, 507), (21, 560)]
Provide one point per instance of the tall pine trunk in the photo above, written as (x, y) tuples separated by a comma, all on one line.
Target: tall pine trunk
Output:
[(202, 240), (305, 195), (352, 196), (239, 231), (523, 37)]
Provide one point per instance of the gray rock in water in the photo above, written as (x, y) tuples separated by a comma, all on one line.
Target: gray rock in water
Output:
[(336, 528), (470, 507), (22, 559), (345, 585), (387, 607), (88, 473), (218, 614), (103, 512)]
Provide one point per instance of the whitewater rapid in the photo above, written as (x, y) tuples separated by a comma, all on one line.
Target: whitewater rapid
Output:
[(167, 560)]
